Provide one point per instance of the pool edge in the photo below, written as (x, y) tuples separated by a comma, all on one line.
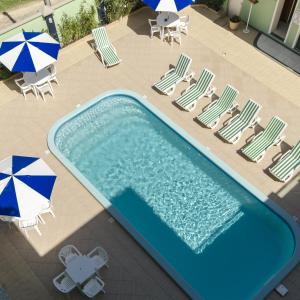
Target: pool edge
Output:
[(294, 227)]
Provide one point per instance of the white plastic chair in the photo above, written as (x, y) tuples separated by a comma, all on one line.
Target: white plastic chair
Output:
[(174, 35), (93, 287), (52, 71), (154, 27), (45, 88), (99, 257), (68, 253), (30, 224), (184, 22), (24, 87), (64, 283), (47, 210)]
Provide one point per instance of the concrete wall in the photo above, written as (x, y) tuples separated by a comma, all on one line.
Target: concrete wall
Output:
[(262, 14), (37, 22)]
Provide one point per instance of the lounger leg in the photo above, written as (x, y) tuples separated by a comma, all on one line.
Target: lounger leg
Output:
[(191, 107), (170, 91)]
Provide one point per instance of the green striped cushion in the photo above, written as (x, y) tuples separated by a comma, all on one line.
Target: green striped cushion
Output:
[(271, 133), (182, 65), (110, 56), (104, 46), (167, 82), (176, 76), (100, 37), (242, 122), (200, 89), (289, 163), (222, 105)]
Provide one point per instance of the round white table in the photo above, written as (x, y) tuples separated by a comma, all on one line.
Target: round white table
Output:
[(167, 19), (36, 78)]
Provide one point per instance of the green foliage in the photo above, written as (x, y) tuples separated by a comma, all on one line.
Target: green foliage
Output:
[(4, 73), (74, 28), (214, 4), (115, 9)]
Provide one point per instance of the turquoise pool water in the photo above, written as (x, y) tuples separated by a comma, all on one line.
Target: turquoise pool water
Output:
[(210, 233)]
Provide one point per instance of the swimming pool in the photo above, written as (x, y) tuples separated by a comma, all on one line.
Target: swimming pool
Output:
[(211, 231)]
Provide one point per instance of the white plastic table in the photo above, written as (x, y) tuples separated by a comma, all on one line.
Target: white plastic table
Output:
[(167, 19), (81, 269), (37, 78)]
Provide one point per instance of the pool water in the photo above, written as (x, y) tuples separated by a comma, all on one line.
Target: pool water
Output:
[(211, 234)]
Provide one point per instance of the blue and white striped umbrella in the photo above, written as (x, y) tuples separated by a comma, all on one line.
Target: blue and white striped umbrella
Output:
[(26, 185), (168, 5), (29, 52)]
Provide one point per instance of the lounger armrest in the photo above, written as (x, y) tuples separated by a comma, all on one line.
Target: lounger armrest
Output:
[(231, 119), (253, 137), (210, 105), (188, 88), (235, 105), (281, 155), (284, 154), (18, 82), (167, 73), (189, 76)]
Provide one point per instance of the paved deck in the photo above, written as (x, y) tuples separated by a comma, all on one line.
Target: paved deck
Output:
[(30, 264)]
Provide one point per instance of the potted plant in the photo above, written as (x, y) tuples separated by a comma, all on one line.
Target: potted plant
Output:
[(234, 22)]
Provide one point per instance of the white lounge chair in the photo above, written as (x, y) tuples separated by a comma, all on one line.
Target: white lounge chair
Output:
[(68, 253), (105, 48), (64, 283), (93, 287), (99, 257)]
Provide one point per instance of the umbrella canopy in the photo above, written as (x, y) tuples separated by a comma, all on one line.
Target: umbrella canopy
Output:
[(168, 5), (26, 185), (29, 52)]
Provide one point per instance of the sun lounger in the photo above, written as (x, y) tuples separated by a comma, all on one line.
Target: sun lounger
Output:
[(107, 51), (215, 110), (287, 164), (196, 91), (272, 135), (175, 75), (247, 118)]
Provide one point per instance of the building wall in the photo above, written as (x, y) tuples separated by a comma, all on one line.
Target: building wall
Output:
[(261, 15), (37, 22)]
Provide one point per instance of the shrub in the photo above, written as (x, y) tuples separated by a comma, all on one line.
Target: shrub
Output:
[(115, 9), (214, 4), (74, 28)]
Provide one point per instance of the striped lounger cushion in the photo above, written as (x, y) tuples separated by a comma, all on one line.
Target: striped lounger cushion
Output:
[(199, 90), (176, 76), (244, 120), (222, 105), (269, 136), (284, 167), (104, 47)]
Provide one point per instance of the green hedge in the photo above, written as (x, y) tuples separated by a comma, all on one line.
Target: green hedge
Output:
[(73, 28), (115, 9)]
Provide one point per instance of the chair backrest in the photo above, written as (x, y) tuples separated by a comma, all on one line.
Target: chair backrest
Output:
[(100, 37), (274, 128), (152, 22), (185, 19), (249, 111), (183, 65), (295, 152), (228, 96), (205, 80)]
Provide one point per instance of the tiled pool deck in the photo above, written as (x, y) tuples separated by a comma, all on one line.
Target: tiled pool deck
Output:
[(28, 265)]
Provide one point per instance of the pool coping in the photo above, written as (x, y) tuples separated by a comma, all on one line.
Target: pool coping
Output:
[(268, 286)]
